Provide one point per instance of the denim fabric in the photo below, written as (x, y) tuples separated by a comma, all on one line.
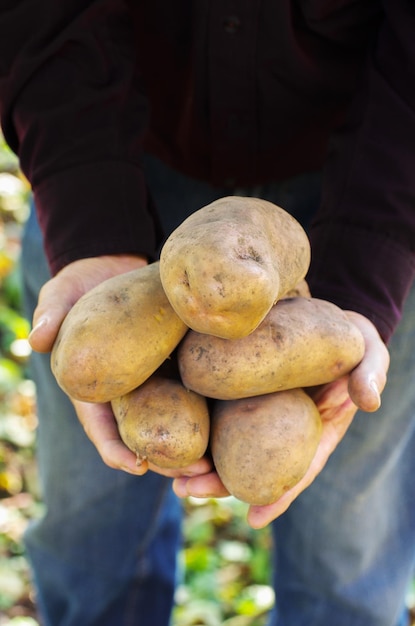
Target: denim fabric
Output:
[(105, 551), (104, 554)]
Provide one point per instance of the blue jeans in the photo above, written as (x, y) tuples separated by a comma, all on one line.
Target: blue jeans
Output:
[(105, 551)]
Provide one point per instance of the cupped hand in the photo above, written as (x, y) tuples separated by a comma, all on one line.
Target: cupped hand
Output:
[(60, 293), (337, 403), (56, 299), (101, 428)]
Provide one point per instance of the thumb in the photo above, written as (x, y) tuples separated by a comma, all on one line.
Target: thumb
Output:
[(60, 293), (53, 305), (368, 379)]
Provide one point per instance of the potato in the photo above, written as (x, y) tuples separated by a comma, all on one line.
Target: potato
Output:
[(263, 446), (163, 423), (226, 265), (116, 336), (302, 342), (301, 289)]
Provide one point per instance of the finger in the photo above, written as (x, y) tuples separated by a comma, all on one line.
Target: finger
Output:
[(368, 379), (56, 298), (101, 428), (47, 320), (330, 395), (206, 486), (52, 308), (202, 466), (61, 292)]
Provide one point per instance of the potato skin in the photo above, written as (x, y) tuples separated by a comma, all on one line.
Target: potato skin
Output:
[(116, 336), (163, 423), (226, 265), (263, 446), (300, 290), (301, 343)]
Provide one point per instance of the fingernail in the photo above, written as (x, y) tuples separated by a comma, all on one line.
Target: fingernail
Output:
[(374, 387), (40, 323)]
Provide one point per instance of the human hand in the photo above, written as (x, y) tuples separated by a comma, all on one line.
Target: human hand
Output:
[(60, 293), (337, 403), (101, 428), (56, 298)]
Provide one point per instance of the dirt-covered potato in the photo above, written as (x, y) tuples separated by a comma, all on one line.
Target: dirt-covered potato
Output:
[(263, 446), (226, 265), (302, 342), (163, 423), (116, 336)]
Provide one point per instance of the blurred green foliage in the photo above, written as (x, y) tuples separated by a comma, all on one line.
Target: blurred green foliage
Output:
[(19, 500), (226, 568)]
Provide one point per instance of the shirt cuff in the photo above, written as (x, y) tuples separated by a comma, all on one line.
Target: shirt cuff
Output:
[(96, 209)]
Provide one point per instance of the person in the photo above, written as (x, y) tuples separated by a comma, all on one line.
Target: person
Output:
[(127, 117)]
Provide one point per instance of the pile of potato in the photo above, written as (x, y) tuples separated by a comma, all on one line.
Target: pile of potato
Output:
[(212, 347)]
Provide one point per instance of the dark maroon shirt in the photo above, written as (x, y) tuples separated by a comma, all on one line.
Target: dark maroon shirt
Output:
[(231, 92)]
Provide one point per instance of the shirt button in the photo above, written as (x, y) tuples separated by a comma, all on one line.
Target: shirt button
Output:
[(231, 24)]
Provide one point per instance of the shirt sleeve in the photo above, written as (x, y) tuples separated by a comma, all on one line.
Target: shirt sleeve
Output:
[(363, 238), (73, 111)]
